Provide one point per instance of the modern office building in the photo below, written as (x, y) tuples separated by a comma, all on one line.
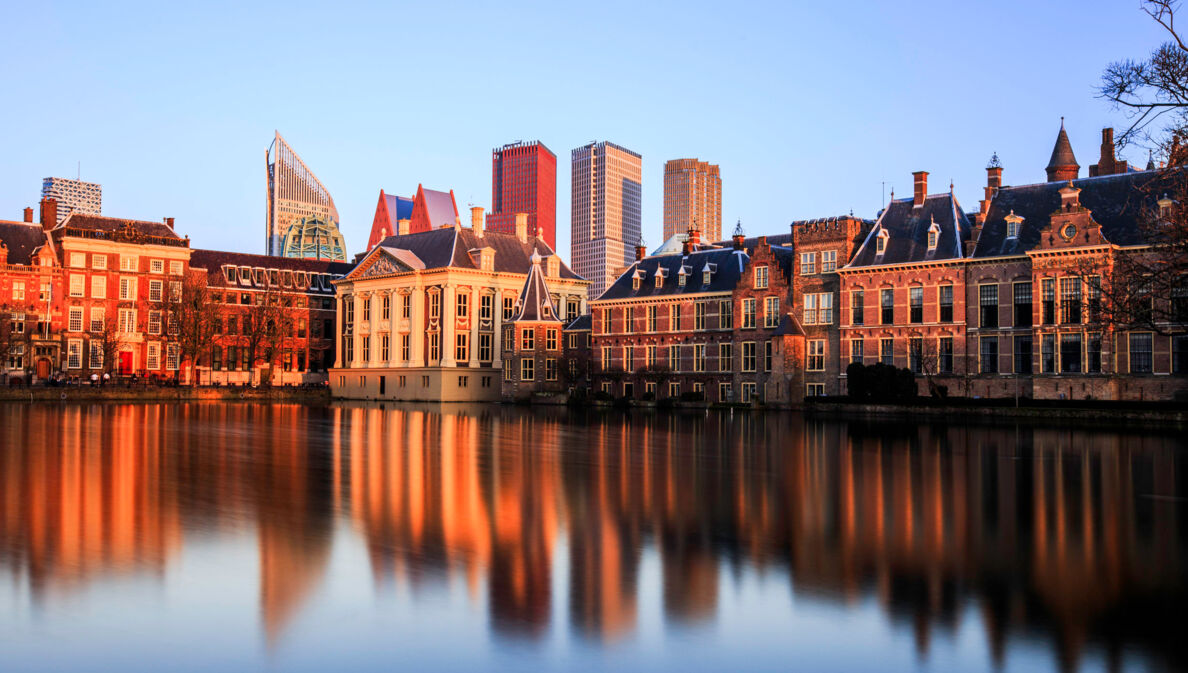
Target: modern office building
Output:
[(524, 180), (692, 198), (295, 194), (73, 196), (605, 222)]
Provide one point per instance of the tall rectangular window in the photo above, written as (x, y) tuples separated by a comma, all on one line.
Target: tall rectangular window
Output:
[(816, 355), (462, 306), (509, 308), (461, 346), (761, 277), (405, 305), (406, 347), (1140, 353), (699, 316), (856, 351), (551, 340), (385, 348), (1070, 300), (528, 339), (748, 306), (78, 285), (810, 309), (725, 314), (1048, 297), (945, 303), (674, 358), (386, 308), (1048, 354), (725, 357), (487, 307), (674, 317), (887, 302), (916, 354), (1070, 353), (771, 312), (858, 307), (98, 287), (74, 354), (75, 321), (916, 304), (484, 351), (698, 357), (808, 263), (944, 348), (887, 352), (1022, 296), (748, 356), (1023, 354), (988, 362), (629, 358), (1093, 354), (767, 355), (1093, 290), (988, 299), (652, 321)]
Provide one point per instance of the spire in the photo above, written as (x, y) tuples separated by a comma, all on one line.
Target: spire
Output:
[(1063, 164), (1150, 161), (535, 304)]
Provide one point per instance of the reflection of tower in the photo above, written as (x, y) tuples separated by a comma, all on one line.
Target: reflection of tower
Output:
[(293, 500)]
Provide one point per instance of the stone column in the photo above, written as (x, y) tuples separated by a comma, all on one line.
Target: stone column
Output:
[(340, 326), (497, 321), (476, 307), (448, 322), (417, 324)]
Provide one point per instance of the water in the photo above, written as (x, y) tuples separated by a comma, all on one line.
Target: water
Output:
[(241, 537)]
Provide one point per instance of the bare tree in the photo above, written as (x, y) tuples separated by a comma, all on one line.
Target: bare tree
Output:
[(107, 337), (1152, 91), (268, 325), (192, 316)]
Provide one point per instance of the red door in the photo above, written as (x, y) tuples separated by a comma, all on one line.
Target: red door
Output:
[(43, 368), (125, 363)]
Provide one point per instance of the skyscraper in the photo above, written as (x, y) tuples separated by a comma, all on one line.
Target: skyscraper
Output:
[(692, 194), (296, 198), (604, 212), (524, 180), (73, 196)]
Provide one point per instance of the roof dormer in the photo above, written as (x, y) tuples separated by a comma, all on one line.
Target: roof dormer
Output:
[(933, 235), (661, 274), (707, 273), (1013, 222), (881, 241)]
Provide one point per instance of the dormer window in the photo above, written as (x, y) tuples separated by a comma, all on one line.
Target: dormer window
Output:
[(1012, 225), (229, 273), (933, 235), (707, 274), (637, 279), (682, 275), (245, 275), (881, 242), (1165, 208), (661, 274)]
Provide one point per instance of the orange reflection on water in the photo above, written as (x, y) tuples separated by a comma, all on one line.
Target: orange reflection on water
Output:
[(1078, 535)]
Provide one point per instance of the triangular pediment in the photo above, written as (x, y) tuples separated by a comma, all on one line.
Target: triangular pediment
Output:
[(385, 261)]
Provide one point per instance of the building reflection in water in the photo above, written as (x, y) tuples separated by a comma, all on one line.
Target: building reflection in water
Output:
[(1075, 537)]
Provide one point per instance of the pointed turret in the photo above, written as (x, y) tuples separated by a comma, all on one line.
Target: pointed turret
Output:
[(1063, 165), (535, 304)]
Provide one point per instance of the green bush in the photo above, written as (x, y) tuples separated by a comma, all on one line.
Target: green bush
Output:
[(880, 383)]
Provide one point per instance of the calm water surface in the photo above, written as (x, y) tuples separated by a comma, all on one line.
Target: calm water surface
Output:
[(232, 537)]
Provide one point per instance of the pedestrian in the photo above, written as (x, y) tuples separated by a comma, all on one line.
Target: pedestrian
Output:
[(106, 378), (94, 379)]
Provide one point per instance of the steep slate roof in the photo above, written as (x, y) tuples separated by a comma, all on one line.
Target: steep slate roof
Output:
[(1119, 203), (112, 224), (451, 246), (580, 323), (907, 228), (22, 239), (1062, 152), (535, 304), (214, 260), (728, 266)]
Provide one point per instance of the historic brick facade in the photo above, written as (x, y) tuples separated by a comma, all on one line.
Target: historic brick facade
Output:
[(30, 278), (711, 322)]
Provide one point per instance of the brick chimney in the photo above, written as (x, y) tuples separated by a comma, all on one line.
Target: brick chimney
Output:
[(49, 213), (920, 188), (993, 182), (522, 227), (402, 227), (476, 220), (738, 239), (169, 223), (640, 251), (1108, 164), (28, 214)]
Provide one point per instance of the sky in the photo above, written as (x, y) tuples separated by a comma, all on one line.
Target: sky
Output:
[(811, 109)]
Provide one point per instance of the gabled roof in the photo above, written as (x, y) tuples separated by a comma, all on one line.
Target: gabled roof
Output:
[(451, 246), (433, 209), (535, 304), (22, 239), (1119, 203), (726, 265), (906, 229)]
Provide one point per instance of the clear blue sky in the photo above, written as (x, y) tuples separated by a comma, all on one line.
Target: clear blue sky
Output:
[(807, 107)]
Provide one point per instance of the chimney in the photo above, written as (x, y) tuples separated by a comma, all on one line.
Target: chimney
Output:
[(640, 251), (476, 220), (1108, 164), (993, 182), (686, 247), (4, 250), (522, 227), (920, 188), (49, 213), (402, 227), (169, 223), (28, 214), (738, 238)]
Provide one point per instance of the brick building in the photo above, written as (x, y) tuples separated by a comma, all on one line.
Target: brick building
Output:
[(303, 290), (30, 277), (711, 321), (533, 344), (822, 247)]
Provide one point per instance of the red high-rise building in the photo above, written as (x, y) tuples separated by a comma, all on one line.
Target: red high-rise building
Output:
[(524, 180)]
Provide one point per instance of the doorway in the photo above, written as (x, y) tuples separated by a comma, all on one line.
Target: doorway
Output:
[(125, 363), (43, 368)]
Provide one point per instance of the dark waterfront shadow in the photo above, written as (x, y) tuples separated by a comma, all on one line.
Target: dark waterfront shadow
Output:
[(1072, 538)]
